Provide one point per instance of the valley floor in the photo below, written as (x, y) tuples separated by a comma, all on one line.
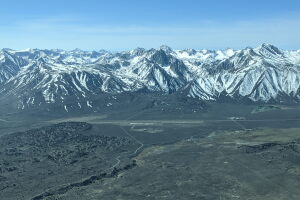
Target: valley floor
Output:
[(228, 153)]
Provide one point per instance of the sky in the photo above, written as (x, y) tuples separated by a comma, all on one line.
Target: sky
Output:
[(126, 24)]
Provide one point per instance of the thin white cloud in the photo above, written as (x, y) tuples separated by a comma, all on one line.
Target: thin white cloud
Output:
[(69, 32)]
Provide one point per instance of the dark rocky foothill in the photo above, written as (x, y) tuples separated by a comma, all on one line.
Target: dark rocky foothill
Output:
[(56, 155)]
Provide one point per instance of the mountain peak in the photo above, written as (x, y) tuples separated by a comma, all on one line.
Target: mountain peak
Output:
[(138, 51), (77, 50), (266, 45), (190, 51), (166, 48), (270, 48), (6, 49)]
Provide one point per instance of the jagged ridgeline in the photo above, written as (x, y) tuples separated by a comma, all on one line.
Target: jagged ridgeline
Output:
[(34, 77)]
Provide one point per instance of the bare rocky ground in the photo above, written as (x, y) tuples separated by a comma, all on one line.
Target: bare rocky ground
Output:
[(227, 165), (39, 160), (223, 152)]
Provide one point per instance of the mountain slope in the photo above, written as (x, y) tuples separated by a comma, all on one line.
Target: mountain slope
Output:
[(34, 77), (260, 74)]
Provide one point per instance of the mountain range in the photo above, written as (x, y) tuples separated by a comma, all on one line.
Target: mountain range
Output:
[(35, 77)]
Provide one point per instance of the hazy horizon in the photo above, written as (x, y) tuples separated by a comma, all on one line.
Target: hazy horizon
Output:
[(156, 47)]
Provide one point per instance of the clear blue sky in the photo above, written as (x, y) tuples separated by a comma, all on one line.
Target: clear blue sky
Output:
[(126, 24)]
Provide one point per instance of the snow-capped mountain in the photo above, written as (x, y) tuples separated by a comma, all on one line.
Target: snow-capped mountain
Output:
[(9, 65), (33, 77)]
